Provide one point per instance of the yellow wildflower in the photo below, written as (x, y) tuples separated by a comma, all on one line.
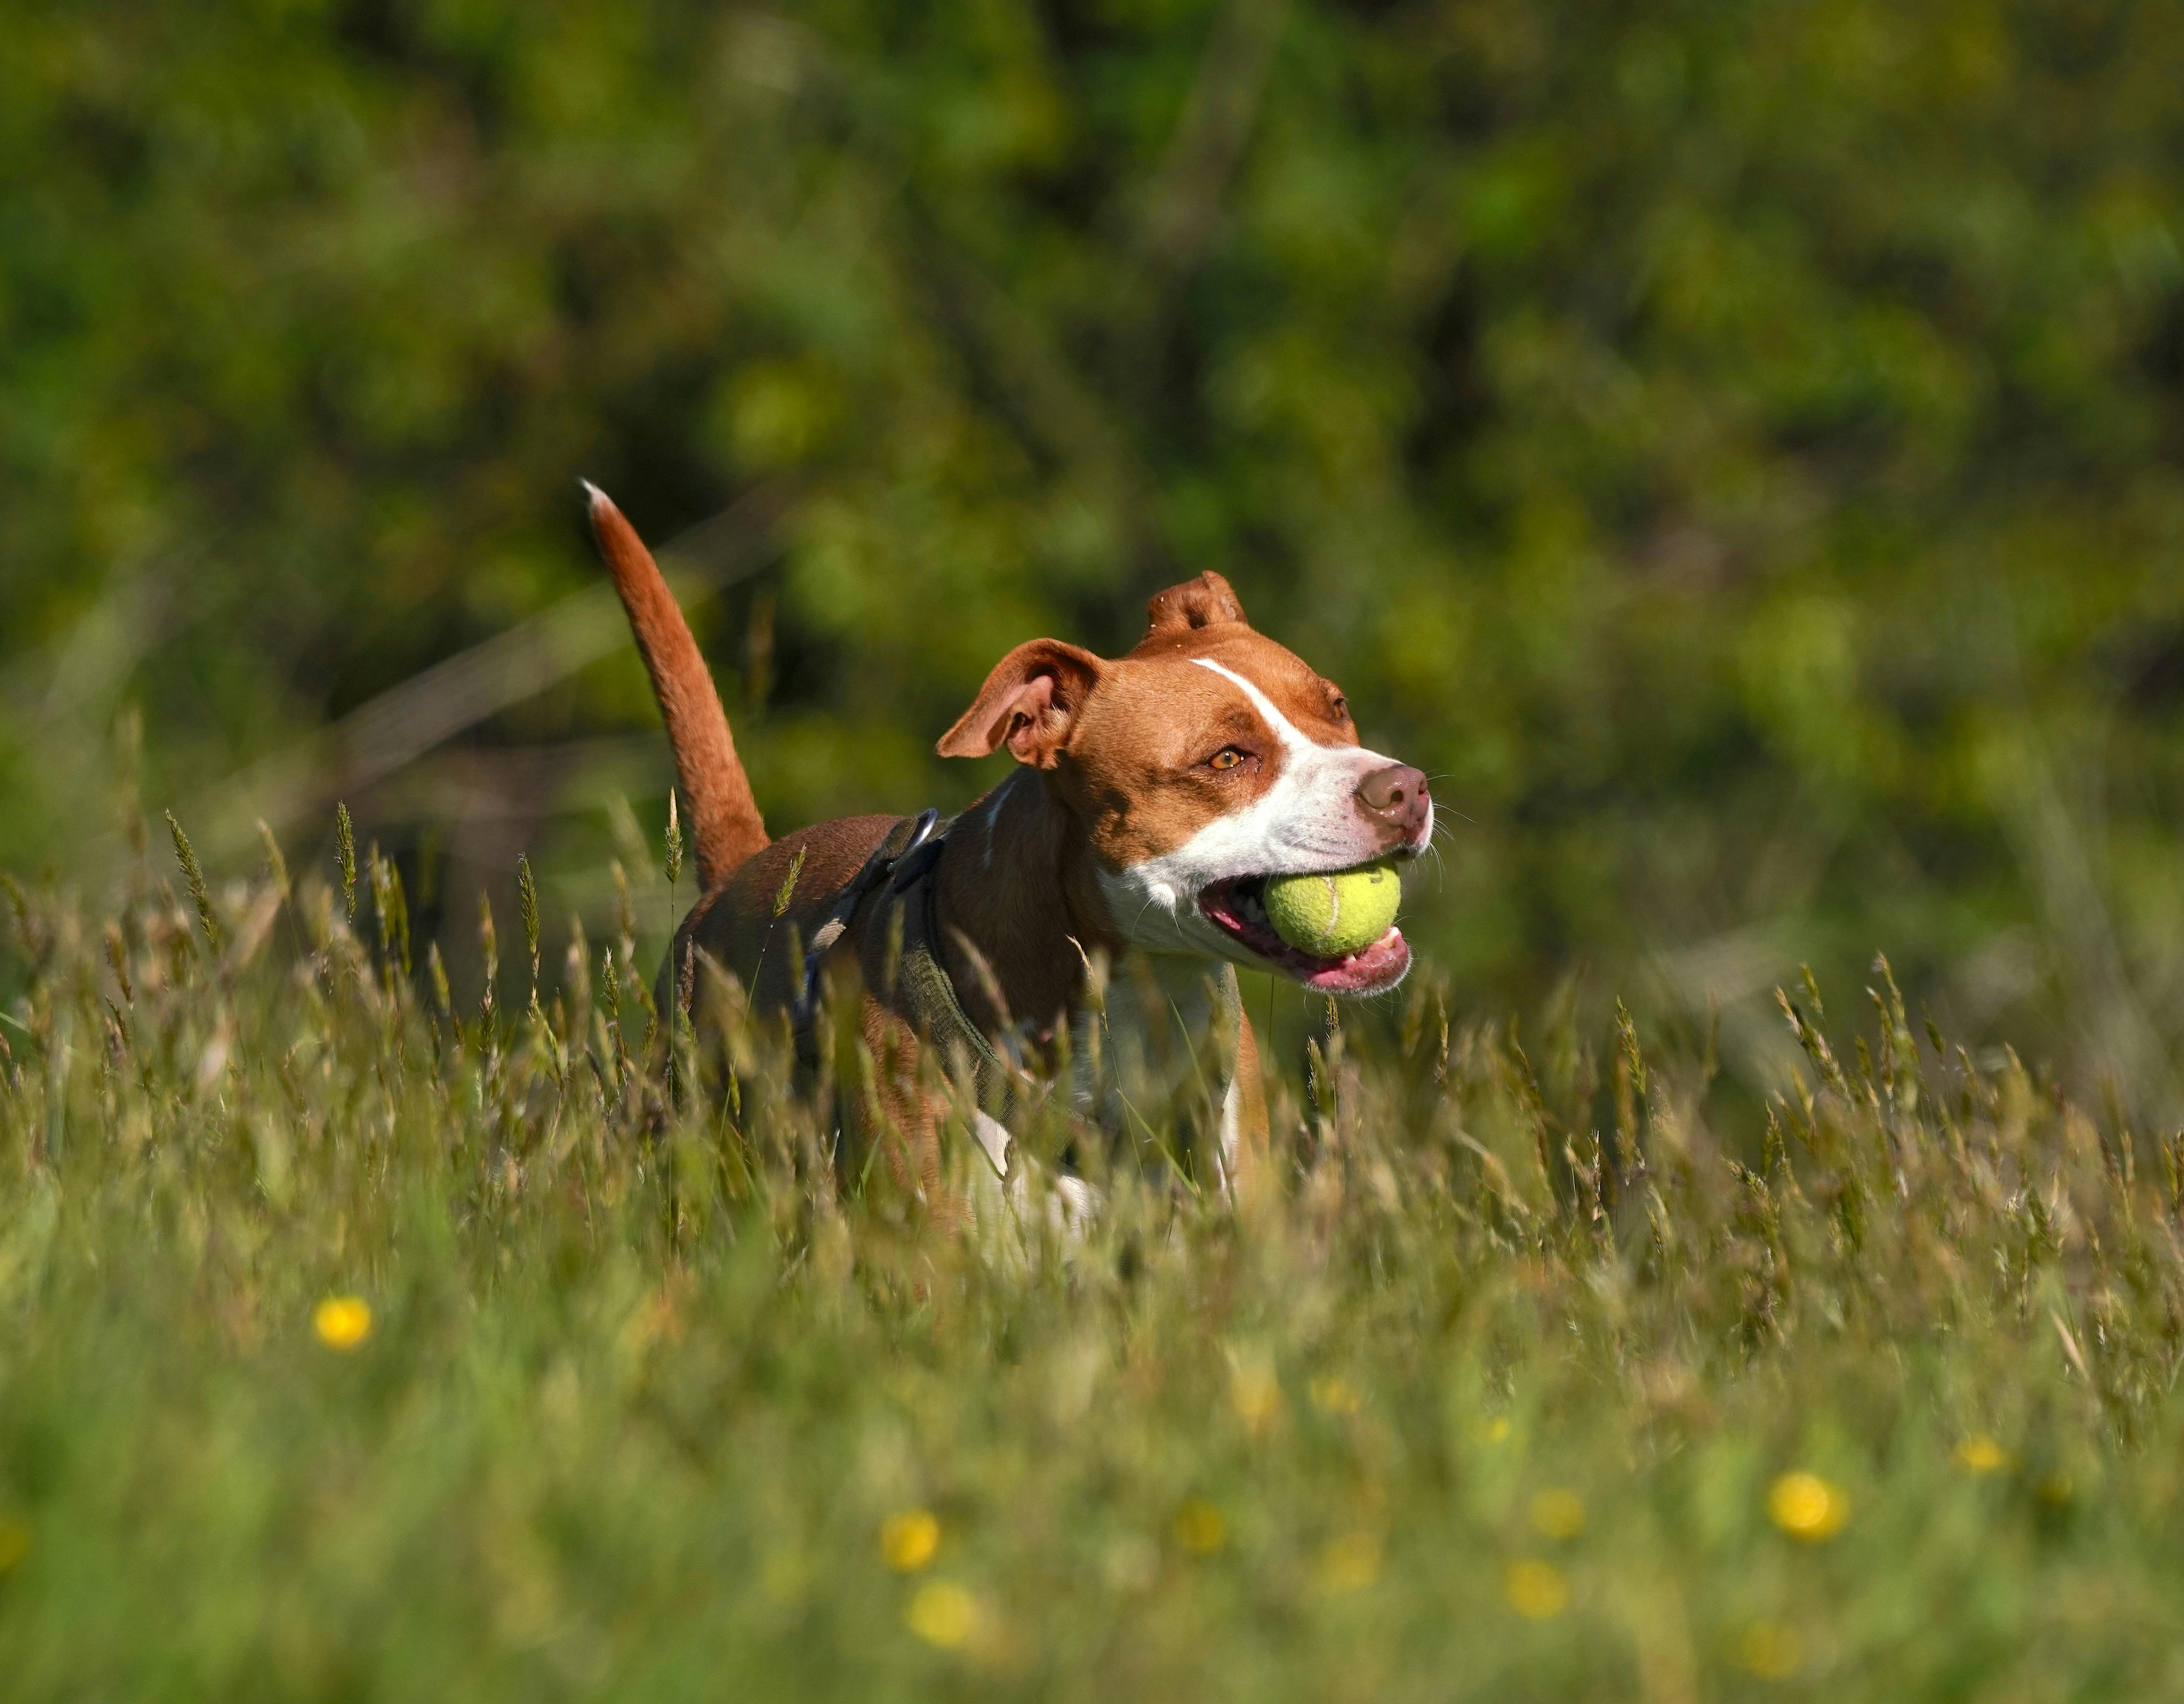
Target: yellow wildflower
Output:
[(1349, 1563), (1535, 1589), (1332, 1394), (1254, 1393), (342, 1322), (1557, 1514), (908, 1540), (1771, 1650), (1806, 1507), (1982, 1454), (1200, 1528), (941, 1613)]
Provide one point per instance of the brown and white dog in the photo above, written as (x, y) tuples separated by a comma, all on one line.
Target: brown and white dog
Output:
[(1156, 792)]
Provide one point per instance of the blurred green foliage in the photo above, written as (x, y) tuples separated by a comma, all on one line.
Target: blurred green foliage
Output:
[(1735, 449)]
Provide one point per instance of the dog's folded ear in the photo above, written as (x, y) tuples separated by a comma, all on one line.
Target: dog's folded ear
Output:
[(1205, 602), (1028, 704)]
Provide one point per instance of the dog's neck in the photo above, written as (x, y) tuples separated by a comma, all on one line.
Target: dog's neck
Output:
[(1018, 907)]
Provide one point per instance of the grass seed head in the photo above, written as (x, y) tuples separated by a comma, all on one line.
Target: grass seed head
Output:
[(526, 893), (276, 867), (787, 892), (187, 856), (345, 852), (438, 970)]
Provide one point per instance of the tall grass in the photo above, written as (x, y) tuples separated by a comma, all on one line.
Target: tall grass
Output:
[(1554, 1381)]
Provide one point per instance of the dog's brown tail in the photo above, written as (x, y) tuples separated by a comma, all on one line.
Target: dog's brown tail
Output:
[(726, 828)]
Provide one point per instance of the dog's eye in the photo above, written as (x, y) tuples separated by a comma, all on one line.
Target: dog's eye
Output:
[(1227, 758)]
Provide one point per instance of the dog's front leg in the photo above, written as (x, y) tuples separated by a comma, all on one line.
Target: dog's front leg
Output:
[(903, 1117), (906, 1117)]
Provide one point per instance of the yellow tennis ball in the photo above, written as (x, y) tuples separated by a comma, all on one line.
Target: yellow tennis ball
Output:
[(1335, 915)]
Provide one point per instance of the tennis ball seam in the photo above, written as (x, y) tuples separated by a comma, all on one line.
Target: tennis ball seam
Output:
[(1333, 913)]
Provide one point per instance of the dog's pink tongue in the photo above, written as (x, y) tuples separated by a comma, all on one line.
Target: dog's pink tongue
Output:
[(1378, 965)]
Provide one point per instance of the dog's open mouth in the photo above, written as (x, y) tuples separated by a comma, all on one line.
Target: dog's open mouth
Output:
[(1237, 907)]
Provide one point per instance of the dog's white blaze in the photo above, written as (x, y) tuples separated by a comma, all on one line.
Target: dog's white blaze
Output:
[(1291, 737), (1306, 822)]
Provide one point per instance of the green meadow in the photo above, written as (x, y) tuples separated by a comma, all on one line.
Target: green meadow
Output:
[(356, 1343), (1736, 448)]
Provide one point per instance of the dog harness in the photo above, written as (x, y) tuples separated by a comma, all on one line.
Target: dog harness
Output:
[(898, 871)]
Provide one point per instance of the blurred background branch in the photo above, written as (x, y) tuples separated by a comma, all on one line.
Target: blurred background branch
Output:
[(391, 731)]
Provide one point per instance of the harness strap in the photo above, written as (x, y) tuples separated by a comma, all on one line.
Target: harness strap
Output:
[(924, 984), (922, 993), (906, 862)]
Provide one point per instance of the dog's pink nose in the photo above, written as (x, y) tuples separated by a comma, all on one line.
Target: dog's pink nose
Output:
[(1396, 796)]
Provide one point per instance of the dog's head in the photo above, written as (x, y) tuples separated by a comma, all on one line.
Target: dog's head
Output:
[(1204, 761)]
